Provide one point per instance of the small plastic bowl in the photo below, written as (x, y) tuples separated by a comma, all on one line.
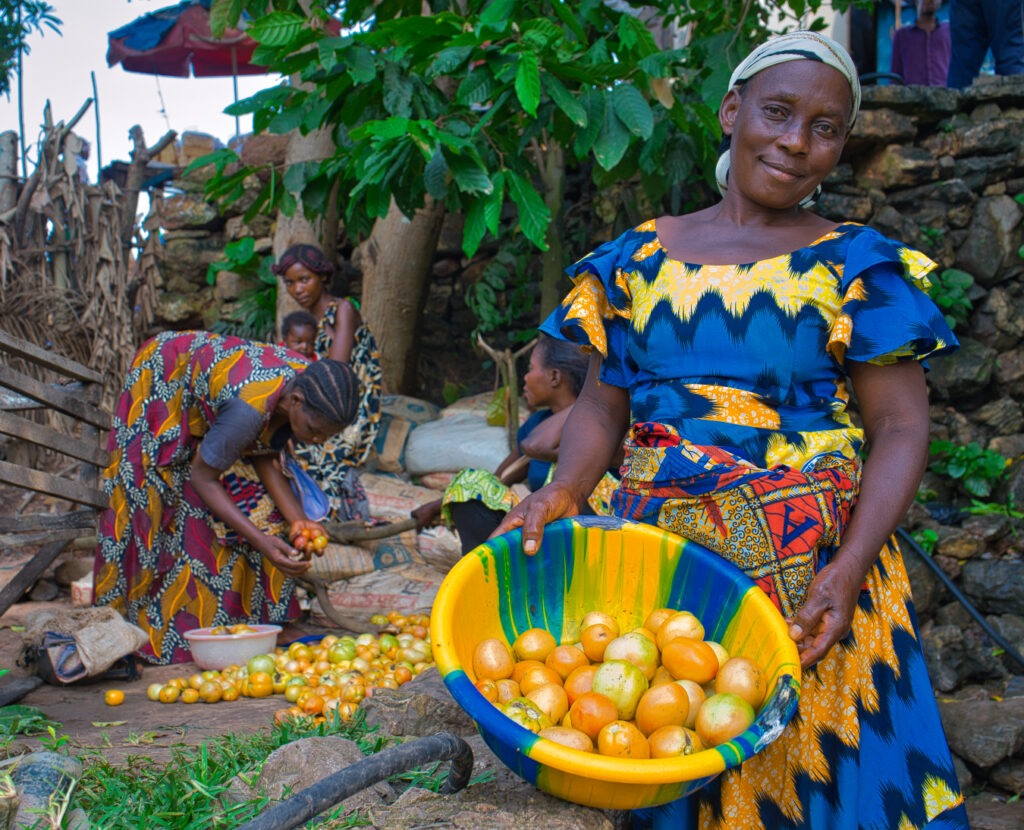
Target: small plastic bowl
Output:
[(217, 651), (626, 570)]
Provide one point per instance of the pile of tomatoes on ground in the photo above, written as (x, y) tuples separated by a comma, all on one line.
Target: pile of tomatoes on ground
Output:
[(317, 678), (658, 691)]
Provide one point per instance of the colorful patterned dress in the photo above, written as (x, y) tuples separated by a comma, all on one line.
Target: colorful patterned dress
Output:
[(161, 561), (741, 440), (331, 463)]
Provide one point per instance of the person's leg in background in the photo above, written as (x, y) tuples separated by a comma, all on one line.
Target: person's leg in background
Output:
[(1007, 27), (969, 36)]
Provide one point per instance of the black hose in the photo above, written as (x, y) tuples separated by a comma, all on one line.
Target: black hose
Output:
[(338, 786), (959, 595)]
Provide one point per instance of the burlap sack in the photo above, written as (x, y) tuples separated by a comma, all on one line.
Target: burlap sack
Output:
[(88, 641)]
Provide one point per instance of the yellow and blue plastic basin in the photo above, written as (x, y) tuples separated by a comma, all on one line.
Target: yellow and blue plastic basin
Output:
[(624, 569)]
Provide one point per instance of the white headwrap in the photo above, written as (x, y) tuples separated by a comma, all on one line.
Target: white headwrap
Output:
[(795, 46)]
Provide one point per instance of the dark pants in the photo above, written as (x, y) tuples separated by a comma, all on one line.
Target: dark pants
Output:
[(979, 25), (474, 521)]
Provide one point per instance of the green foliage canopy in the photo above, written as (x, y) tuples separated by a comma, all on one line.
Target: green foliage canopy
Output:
[(464, 103), (18, 20)]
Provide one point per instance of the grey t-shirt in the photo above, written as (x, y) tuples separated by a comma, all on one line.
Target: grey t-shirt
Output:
[(237, 426)]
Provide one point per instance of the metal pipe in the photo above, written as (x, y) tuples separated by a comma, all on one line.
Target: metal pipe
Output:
[(959, 595), (338, 786)]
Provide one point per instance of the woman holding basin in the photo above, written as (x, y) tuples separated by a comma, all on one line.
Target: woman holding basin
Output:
[(725, 345)]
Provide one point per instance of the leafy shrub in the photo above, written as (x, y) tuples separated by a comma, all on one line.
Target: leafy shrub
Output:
[(975, 470), (254, 315), (949, 290)]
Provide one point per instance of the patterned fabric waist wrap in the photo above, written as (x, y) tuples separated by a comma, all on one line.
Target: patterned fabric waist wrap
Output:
[(778, 525)]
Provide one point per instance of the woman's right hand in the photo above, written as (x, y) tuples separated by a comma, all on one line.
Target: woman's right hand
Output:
[(554, 501), (283, 556)]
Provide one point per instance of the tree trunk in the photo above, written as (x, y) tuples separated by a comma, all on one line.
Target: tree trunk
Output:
[(552, 169), (396, 263), (298, 228)]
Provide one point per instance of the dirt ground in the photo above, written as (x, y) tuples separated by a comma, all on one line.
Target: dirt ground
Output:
[(138, 726)]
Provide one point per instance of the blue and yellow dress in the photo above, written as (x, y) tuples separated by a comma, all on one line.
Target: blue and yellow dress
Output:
[(741, 439)]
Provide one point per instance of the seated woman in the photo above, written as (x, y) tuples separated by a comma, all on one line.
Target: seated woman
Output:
[(728, 341), (192, 404), (476, 501), (341, 335)]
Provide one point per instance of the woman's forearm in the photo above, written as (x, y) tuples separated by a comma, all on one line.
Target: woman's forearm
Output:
[(894, 404), (278, 488), (206, 482), (592, 435)]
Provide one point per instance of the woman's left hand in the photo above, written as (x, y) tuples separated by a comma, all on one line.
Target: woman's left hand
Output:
[(281, 555), (308, 537), (827, 614)]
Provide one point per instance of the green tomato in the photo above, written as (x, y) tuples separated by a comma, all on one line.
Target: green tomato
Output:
[(262, 663), (341, 650), (527, 714)]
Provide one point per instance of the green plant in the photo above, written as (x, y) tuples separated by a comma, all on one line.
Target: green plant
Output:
[(502, 297), (988, 508), (254, 315), (24, 720), (949, 289), (975, 470), (926, 538)]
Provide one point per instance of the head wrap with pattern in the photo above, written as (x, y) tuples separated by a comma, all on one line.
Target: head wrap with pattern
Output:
[(794, 46)]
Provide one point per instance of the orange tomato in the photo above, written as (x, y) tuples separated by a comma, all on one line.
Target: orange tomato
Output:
[(621, 739), (210, 691), (508, 690), (522, 667), (113, 697), (534, 644), (492, 660), (563, 660), (594, 639), (579, 681), (567, 736), (314, 705), (741, 676), (538, 676), (487, 688), (664, 705), (673, 741), (591, 712), (190, 695), (261, 684), (550, 699), (687, 658), (657, 617)]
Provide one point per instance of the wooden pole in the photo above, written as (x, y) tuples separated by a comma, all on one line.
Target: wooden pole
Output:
[(21, 110), (99, 144), (8, 170)]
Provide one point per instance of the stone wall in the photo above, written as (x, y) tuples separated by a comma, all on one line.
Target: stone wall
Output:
[(943, 171)]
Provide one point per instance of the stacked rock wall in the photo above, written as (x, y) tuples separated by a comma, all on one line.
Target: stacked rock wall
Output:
[(943, 171)]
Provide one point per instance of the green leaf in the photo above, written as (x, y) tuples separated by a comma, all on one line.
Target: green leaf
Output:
[(593, 102), (496, 14), (276, 28), (977, 486), (475, 228), (224, 14), (476, 88), (469, 175), (633, 110), (435, 176), (565, 100), (612, 143), (241, 250), (218, 158), (534, 216), (528, 82), (635, 36), (361, 66), (448, 60), (397, 92), (495, 202)]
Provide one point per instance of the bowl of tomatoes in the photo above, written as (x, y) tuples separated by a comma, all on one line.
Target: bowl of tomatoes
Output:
[(605, 589), (217, 647)]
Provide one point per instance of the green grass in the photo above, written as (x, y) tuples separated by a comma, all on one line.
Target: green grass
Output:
[(187, 792)]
